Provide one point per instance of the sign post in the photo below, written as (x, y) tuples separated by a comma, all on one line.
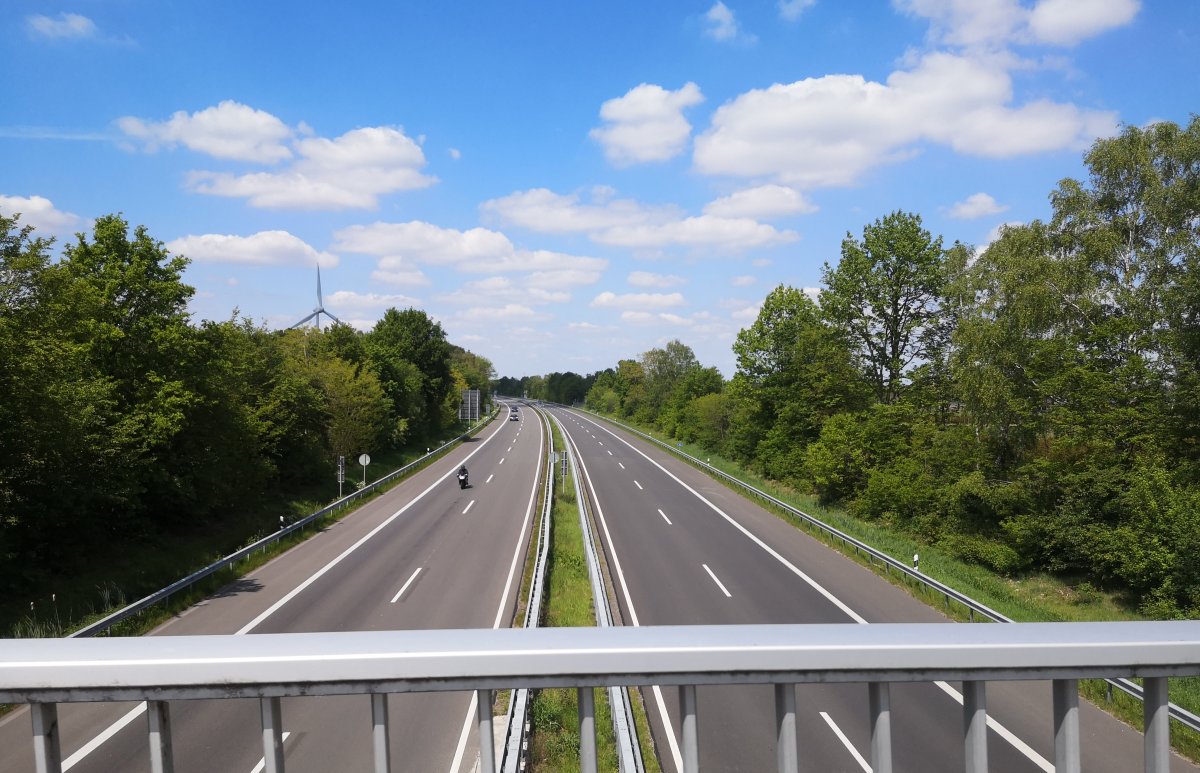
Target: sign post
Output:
[(341, 474), (364, 460)]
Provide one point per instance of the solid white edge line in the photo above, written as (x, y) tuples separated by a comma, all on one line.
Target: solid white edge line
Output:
[(672, 742), (665, 518), (461, 749), (410, 582), (262, 764), (1000, 729), (720, 584), (112, 730), (846, 742)]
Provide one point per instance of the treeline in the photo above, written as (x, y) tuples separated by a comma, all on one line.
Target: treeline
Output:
[(1034, 406), (122, 422)]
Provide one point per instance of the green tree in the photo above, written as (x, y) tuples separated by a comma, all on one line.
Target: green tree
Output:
[(885, 295)]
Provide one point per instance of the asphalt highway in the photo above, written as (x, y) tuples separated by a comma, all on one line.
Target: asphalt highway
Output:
[(424, 555), (684, 549)]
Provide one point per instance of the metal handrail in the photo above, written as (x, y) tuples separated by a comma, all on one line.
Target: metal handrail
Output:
[(142, 604), (1177, 712)]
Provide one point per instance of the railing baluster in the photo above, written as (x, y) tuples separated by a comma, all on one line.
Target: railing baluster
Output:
[(272, 734), (785, 723), (487, 744), (689, 740), (379, 732), (46, 751), (975, 726), (1157, 725), (158, 715), (881, 727), (1066, 726), (587, 730)]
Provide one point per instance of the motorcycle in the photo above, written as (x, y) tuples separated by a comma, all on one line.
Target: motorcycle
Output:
[(462, 478)]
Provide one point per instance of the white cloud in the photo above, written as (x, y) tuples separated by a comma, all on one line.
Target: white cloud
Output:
[(266, 248), (830, 131), (228, 130), (976, 205), (509, 312), (477, 250), (368, 303), (647, 279), (1067, 22), (65, 26), (704, 231), (745, 280), (637, 301), (545, 211), (792, 9), (39, 212), (488, 292), (455, 153), (721, 25), (993, 24), (646, 124), (350, 171), (764, 201), (395, 270)]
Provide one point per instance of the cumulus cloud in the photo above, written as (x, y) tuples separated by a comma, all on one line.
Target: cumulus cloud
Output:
[(637, 301), (647, 279), (745, 280), (829, 131), (792, 9), (627, 223), (395, 270), (994, 24), (545, 211), (976, 205), (65, 26), (39, 212), (368, 304), (764, 201), (720, 24), (646, 124), (477, 250), (265, 248), (350, 171)]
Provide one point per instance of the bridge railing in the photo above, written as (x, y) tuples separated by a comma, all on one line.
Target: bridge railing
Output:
[(45, 673)]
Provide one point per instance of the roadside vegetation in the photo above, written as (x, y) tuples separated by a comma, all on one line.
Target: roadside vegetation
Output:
[(126, 429)]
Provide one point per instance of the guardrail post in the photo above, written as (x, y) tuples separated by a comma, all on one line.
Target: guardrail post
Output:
[(1066, 726), (1156, 714), (487, 745), (975, 726), (881, 727), (587, 730), (689, 739), (785, 722), (46, 751), (158, 714), (272, 734), (379, 732)]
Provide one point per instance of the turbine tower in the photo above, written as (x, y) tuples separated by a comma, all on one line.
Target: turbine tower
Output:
[(317, 312)]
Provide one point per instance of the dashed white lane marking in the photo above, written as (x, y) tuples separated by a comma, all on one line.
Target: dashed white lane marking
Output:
[(846, 742), (720, 585), (502, 459), (489, 479), (620, 465), (639, 486), (410, 582), (665, 518), (262, 764), (609, 452), (469, 505)]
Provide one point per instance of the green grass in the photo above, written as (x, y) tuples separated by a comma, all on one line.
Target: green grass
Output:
[(1033, 597)]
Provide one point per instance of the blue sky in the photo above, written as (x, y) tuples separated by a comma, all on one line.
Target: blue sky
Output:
[(561, 185)]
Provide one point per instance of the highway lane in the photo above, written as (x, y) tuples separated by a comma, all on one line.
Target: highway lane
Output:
[(725, 560), (425, 555)]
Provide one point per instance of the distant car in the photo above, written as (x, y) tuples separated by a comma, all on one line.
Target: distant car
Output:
[(513, 415)]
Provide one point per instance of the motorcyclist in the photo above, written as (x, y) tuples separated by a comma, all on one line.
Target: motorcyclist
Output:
[(462, 476)]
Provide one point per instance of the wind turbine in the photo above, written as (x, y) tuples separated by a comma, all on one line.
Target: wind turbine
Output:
[(317, 312)]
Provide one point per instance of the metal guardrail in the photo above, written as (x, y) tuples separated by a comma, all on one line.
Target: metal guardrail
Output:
[(629, 752), (515, 744), (1178, 713), (374, 663), (126, 612)]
